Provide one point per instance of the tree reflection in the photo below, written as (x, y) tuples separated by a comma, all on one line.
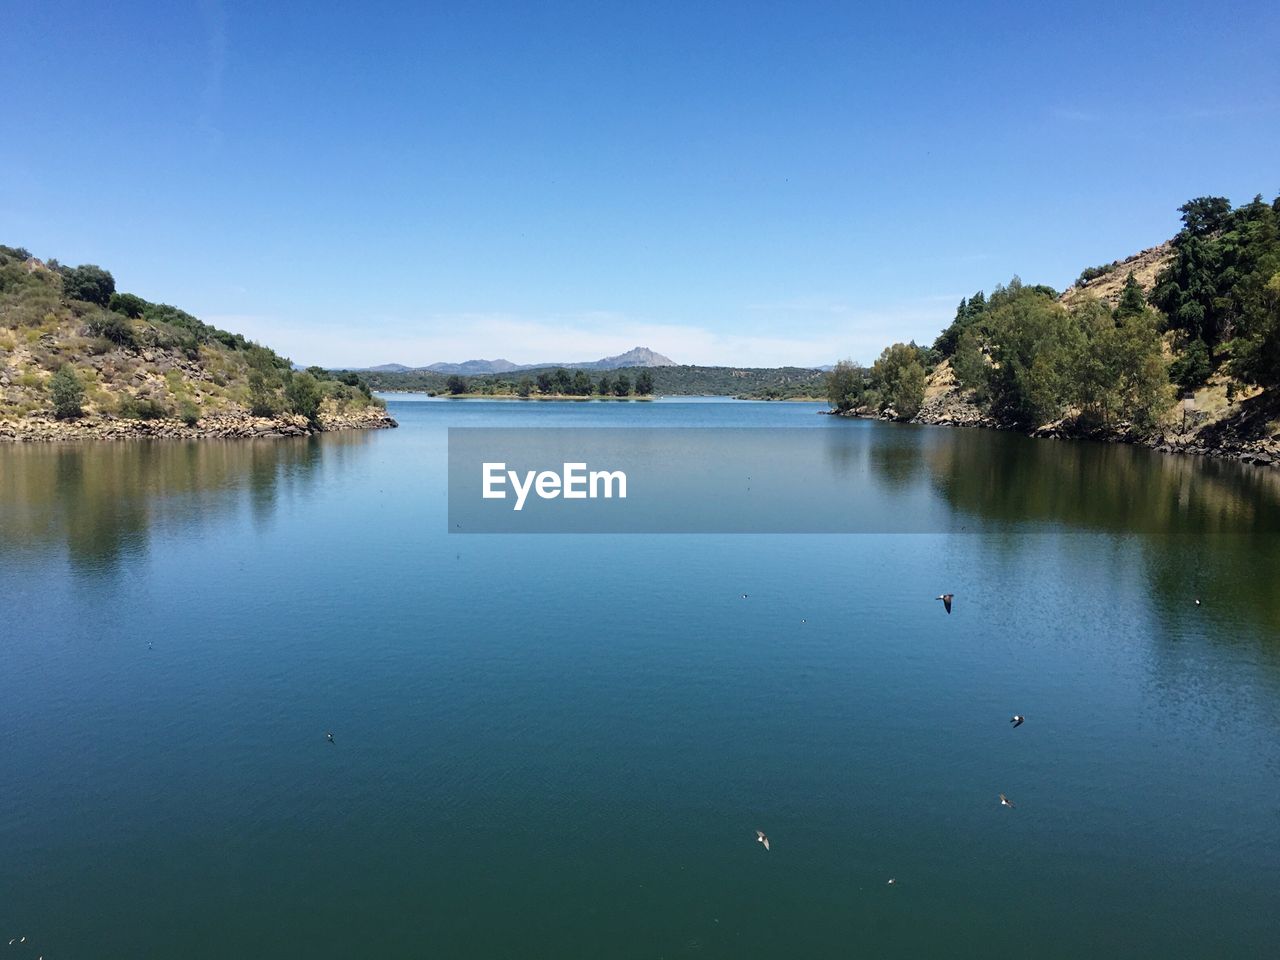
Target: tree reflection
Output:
[(102, 502)]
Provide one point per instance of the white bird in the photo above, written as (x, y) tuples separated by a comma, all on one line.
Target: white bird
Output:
[(761, 838), (892, 881), (1005, 801)]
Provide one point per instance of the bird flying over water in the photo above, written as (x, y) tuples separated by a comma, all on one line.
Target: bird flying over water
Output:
[(329, 737), (761, 838), (946, 599), (1005, 801), (1017, 719)]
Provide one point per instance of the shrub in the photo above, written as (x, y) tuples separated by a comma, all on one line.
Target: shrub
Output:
[(1192, 368), (845, 385), (189, 412), (302, 393), (262, 398), (146, 409), (89, 283), (1093, 273), (900, 378), (67, 392), (113, 327), (128, 304)]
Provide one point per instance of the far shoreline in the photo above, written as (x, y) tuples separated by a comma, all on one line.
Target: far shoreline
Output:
[(578, 398)]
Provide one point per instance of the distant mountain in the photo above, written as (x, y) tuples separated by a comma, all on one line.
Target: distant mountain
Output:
[(470, 367), (636, 357)]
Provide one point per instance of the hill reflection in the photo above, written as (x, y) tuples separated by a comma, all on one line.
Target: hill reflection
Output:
[(103, 501)]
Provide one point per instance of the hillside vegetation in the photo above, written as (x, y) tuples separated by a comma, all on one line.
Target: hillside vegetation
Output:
[(1197, 318), (75, 348), (774, 383)]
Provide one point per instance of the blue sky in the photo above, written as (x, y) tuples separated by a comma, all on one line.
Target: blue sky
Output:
[(736, 183)]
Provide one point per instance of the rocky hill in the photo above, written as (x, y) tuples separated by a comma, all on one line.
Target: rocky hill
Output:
[(1176, 347), (78, 359), (1109, 283), (1221, 418)]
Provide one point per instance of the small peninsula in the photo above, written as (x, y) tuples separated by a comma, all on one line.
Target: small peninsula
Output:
[(80, 361), (1176, 347)]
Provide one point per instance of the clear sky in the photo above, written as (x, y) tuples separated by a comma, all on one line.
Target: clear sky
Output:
[(743, 183)]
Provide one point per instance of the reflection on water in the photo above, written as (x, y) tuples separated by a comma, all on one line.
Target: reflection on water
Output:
[(1099, 486), (102, 502)]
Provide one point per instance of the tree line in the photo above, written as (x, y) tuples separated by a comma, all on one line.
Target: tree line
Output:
[(557, 382), (768, 383)]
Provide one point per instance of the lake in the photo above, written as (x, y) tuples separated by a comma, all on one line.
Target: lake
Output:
[(561, 745)]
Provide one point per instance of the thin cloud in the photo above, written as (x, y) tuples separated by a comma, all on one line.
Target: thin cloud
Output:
[(1075, 115)]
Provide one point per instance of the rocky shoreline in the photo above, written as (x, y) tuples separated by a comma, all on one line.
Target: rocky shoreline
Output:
[(43, 429), (1249, 436)]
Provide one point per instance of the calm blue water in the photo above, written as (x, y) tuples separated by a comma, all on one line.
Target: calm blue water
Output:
[(561, 746)]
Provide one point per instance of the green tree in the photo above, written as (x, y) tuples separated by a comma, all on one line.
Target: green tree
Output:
[(89, 283), (970, 366), (1257, 351), (113, 327), (622, 385), (899, 378), (1192, 367), (845, 385), (127, 304), (1032, 340), (582, 385), (303, 395), (605, 386), (525, 387), (545, 383), (968, 314), (262, 395), (644, 383), (1132, 301), (1118, 372), (1214, 288), (1204, 215), (456, 384), (563, 380), (67, 393)]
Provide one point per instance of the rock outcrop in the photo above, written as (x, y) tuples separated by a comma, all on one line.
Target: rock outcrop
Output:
[(43, 429)]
